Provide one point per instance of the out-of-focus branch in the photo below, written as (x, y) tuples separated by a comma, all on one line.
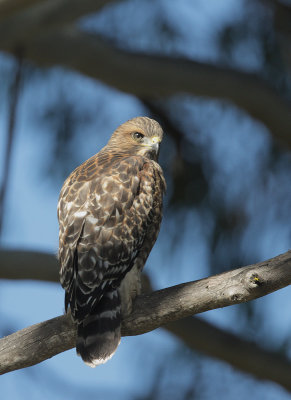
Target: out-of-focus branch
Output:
[(15, 92), (39, 342), (16, 30), (247, 356), (18, 264), (149, 76), (10, 7), (282, 22)]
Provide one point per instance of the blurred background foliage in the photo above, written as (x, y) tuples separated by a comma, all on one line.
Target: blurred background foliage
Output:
[(228, 199)]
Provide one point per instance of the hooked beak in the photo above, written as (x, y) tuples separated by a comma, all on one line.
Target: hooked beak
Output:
[(151, 147), (153, 143), (156, 143)]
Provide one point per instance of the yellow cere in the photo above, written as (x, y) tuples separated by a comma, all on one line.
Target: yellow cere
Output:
[(156, 139)]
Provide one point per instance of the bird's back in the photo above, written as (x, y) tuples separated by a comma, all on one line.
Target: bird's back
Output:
[(109, 211)]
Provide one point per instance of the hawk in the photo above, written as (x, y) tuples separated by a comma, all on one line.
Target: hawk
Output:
[(109, 212)]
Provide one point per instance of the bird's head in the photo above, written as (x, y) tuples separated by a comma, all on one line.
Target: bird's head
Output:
[(138, 136)]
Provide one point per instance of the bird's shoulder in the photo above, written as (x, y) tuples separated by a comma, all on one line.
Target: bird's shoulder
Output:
[(104, 170), (105, 164)]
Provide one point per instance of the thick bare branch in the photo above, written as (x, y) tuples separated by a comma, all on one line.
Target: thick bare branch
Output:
[(154, 76), (39, 342), (233, 287), (195, 333)]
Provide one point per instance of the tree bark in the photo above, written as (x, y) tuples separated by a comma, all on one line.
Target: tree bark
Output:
[(41, 341)]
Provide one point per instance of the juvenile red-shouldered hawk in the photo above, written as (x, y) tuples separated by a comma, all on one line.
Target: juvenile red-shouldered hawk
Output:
[(109, 211)]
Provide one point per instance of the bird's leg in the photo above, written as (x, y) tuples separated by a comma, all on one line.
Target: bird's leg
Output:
[(130, 288)]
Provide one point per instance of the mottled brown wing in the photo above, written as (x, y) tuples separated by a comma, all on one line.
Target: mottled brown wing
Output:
[(103, 224)]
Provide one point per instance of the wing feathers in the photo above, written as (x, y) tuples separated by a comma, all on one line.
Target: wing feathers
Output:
[(104, 226)]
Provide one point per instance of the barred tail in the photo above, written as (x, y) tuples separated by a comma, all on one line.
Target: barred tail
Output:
[(99, 334)]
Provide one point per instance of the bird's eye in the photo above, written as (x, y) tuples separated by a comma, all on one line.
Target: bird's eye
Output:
[(138, 136)]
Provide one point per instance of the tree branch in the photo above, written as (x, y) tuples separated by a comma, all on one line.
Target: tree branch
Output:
[(149, 76), (229, 288), (17, 29), (39, 342), (245, 355), (21, 264), (10, 7), (14, 101)]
